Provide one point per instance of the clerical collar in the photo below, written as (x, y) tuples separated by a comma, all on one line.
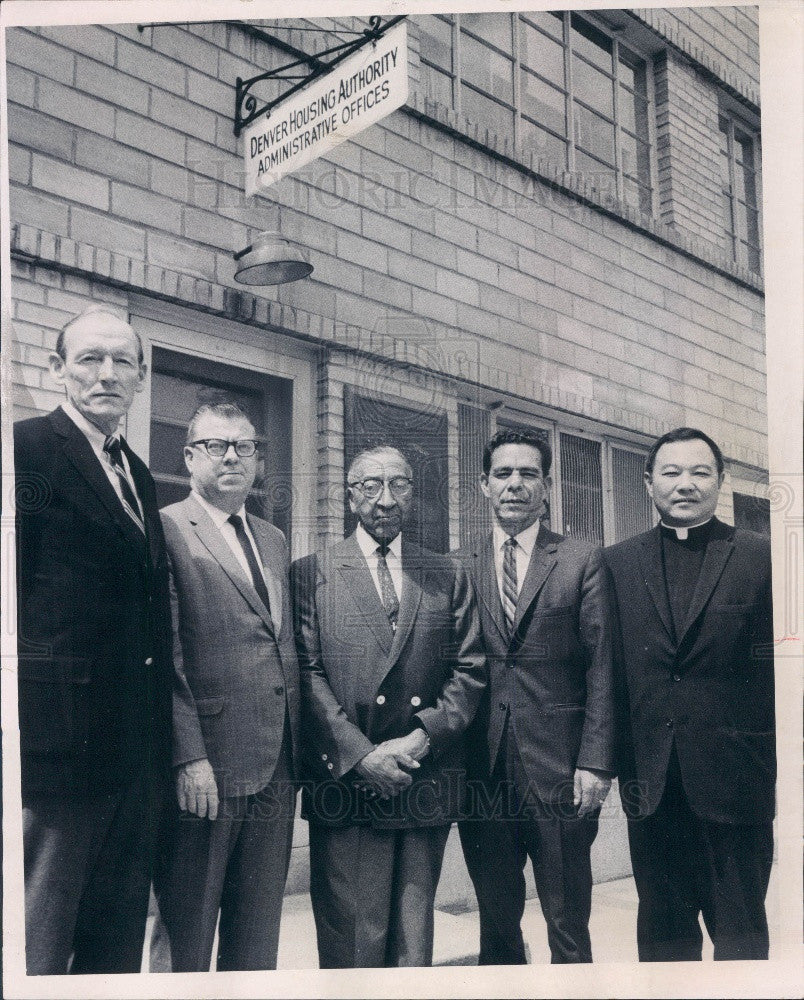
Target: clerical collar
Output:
[(683, 533)]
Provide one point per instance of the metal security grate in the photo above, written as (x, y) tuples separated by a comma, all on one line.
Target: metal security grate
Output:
[(473, 432), (581, 488), (633, 509)]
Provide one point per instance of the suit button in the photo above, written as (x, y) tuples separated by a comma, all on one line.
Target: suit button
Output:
[(330, 766), (279, 689), (676, 677), (149, 661), (502, 706), (669, 723), (380, 699), (324, 756), (415, 701)]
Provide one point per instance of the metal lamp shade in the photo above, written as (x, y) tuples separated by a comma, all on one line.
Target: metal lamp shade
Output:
[(271, 260)]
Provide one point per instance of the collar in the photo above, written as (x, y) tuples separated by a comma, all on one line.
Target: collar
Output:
[(94, 435), (682, 533), (526, 539), (220, 517), (368, 545)]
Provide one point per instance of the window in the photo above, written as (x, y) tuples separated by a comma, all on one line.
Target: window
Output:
[(555, 84), (752, 512), (739, 163)]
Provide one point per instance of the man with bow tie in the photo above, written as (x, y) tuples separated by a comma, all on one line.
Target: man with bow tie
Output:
[(541, 746), (391, 673), (695, 683), (235, 711), (93, 645)]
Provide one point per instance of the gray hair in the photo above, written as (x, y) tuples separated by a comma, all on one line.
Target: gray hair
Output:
[(221, 408), (374, 453), (97, 308)]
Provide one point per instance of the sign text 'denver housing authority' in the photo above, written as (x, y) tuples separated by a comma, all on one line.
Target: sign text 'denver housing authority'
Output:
[(357, 93)]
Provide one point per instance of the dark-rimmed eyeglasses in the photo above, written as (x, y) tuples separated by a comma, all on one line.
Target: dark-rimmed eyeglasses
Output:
[(217, 447), (400, 486)]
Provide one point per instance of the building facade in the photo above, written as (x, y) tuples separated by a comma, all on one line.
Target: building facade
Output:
[(559, 229)]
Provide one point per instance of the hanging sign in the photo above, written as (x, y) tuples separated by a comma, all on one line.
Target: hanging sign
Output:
[(355, 94)]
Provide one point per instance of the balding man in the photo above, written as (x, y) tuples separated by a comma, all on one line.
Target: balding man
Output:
[(94, 659), (391, 674)]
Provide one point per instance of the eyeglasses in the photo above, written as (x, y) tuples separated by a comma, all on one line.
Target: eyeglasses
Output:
[(217, 447), (400, 486)]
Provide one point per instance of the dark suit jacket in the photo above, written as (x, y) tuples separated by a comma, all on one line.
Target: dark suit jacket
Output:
[(363, 684), (93, 617), (711, 693), (235, 664), (555, 673)]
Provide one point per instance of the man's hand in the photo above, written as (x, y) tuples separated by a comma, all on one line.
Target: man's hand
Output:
[(591, 788), (196, 789), (409, 749), (381, 770)]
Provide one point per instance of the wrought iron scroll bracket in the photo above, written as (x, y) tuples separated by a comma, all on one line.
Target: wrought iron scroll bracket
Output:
[(246, 105)]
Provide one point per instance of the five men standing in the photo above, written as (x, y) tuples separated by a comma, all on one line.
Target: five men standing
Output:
[(541, 747), (658, 654)]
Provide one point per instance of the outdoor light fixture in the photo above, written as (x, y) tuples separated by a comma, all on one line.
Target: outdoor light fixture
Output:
[(271, 260)]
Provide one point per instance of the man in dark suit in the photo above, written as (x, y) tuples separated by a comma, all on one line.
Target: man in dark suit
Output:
[(696, 712), (541, 746), (235, 709), (94, 659), (392, 671)]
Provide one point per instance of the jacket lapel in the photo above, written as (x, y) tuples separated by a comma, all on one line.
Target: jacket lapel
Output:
[(486, 584), (79, 452), (269, 558), (356, 576), (650, 556), (718, 551), (542, 560), (216, 545)]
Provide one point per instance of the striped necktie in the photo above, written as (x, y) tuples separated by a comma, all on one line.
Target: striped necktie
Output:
[(128, 494), (510, 590)]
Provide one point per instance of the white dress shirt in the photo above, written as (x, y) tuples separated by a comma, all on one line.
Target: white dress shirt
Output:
[(96, 440), (525, 541), (221, 521), (393, 559)]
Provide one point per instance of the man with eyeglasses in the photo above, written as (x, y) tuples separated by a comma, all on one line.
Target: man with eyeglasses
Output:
[(93, 643), (391, 671), (235, 711)]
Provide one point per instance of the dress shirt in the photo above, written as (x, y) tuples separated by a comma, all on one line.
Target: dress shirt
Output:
[(96, 440), (525, 541), (393, 559), (221, 520)]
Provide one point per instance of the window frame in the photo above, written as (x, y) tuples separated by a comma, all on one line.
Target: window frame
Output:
[(738, 237)]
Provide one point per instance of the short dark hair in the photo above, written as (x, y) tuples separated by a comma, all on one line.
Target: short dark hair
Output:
[(103, 308), (220, 408), (684, 434), (510, 436)]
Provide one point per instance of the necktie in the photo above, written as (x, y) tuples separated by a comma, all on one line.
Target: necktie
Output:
[(510, 591), (256, 573), (128, 496), (387, 591)]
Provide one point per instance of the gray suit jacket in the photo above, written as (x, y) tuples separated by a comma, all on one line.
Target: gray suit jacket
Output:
[(235, 668)]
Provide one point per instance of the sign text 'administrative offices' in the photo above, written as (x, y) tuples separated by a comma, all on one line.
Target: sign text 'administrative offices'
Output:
[(359, 92)]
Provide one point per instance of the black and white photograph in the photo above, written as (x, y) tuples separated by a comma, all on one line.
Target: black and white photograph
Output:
[(401, 499)]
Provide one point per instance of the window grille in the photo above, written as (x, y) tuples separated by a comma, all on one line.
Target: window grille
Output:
[(581, 488), (552, 82), (632, 507)]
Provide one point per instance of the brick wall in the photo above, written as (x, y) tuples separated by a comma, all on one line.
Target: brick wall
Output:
[(119, 146)]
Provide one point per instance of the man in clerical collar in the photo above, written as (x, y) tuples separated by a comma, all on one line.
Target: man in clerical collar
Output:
[(391, 674), (696, 712), (542, 744), (94, 660)]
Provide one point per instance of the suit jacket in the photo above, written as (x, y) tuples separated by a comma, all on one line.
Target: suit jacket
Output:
[(235, 664), (554, 674), (93, 617), (362, 683), (711, 692)]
